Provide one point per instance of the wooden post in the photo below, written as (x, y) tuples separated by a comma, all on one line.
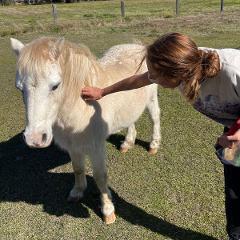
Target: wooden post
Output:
[(54, 12), (123, 8), (177, 7), (222, 4)]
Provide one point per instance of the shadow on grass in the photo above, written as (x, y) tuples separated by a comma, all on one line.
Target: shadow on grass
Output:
[(25, 176), (117, 139)]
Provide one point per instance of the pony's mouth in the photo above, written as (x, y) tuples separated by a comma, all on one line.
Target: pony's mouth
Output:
[(34, 142)]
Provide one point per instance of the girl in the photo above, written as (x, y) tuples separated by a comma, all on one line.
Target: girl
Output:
[(210, 80)]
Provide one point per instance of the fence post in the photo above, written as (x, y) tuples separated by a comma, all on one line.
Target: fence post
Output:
[(177, 7), (54, 12), (122, 8), (222, 4)]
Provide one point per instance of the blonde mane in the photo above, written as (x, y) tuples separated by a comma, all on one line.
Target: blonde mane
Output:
[(33, 57), (78, 65), (79, 69)]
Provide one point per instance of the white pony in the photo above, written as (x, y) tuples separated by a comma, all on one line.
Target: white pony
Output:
[(51, 73)]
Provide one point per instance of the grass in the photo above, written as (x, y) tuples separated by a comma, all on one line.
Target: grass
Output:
[(177, 194)]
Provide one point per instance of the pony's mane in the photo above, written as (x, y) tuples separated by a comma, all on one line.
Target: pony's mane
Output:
[(79, 68), (78, 65)]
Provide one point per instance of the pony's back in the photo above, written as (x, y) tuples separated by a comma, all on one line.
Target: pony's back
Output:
[(123, 60)]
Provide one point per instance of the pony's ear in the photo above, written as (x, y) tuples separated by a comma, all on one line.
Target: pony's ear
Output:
[(57, 48), (16, 45)]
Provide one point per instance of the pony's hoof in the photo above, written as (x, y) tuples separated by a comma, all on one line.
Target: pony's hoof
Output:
[(152, 151), (110, 218), (124, 149)]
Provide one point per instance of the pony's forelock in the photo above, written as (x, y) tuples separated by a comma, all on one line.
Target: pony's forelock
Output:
[(78, 65), (33, 58)]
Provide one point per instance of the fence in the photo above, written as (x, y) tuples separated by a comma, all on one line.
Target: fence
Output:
[(178, 6), (122, 2)]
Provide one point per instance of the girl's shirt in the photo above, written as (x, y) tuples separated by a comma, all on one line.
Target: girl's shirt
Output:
[(219, 97)]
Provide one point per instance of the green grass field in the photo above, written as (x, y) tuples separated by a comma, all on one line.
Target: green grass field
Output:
[(177, 194)]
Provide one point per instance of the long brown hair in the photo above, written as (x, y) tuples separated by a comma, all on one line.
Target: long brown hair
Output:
[(176, 57)]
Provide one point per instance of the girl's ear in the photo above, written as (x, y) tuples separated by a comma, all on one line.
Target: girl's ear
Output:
[(16, 45)]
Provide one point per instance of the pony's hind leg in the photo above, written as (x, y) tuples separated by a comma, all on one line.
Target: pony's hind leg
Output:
[(129, 139), (100, 176), (154, 111), (80, 185)]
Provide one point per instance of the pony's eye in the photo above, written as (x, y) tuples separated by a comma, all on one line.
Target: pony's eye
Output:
[(55, 87)]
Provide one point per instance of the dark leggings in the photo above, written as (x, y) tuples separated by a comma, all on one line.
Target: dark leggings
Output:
[(232, 196)]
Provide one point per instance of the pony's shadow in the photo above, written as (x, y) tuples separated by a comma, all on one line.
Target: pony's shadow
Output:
[(25, 176), (117, 138)]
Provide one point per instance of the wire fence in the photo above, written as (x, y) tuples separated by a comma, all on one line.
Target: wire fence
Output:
[(54, 7), (122, 2)]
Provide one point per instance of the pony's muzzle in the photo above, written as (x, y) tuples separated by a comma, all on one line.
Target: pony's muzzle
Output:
[(37, 139)]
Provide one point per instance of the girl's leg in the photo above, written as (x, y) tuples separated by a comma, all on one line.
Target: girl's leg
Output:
[(232, 199)]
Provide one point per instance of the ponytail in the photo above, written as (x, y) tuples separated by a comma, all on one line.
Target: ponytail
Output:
[(210, 63), (208, 67)]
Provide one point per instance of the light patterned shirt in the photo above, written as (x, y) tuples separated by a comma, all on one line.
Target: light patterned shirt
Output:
[(219, 97)]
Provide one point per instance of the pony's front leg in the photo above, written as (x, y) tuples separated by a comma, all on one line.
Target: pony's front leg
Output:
[(100, 176), (80, 185)]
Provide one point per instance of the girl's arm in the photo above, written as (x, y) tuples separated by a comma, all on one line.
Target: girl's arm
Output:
[(133, 82)]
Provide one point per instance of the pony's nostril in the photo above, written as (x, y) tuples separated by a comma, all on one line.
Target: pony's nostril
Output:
[(44, 137)]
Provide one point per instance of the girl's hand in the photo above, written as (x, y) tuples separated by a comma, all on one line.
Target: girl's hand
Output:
[(224, 142), (92, 93), (227, 141)]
